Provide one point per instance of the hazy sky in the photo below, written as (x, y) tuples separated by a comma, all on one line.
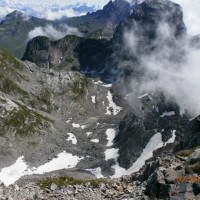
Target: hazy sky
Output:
[(54, 9), (59, 2), (50, 9)]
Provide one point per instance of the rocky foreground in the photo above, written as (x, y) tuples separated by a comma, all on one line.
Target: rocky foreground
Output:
[(169, 177)]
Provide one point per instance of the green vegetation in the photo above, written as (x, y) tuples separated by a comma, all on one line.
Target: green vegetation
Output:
[(23, 121), (65, 181), (80, 87), (184, 153), (194, 169), (8, 86), (11, 67), (43, 102), (7, 60)]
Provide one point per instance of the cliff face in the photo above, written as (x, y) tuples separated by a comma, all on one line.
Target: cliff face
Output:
[(71, 52)]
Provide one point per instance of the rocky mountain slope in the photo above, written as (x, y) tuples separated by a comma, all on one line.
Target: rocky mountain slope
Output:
[(76, 103)]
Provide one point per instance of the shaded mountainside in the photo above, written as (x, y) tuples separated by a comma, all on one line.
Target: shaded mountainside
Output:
[(57, 106), (71, 52), (15, 27)]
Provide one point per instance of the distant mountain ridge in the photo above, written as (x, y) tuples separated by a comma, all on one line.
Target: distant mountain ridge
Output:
[(102, 23), (15, 27)]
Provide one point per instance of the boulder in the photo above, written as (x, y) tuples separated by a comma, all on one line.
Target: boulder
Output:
[(53, 187)]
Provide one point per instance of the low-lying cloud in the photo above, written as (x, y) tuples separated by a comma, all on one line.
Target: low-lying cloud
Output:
[(54, 33), (172, 68)]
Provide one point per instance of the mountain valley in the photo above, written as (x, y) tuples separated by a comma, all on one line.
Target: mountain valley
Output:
[(98, 116)]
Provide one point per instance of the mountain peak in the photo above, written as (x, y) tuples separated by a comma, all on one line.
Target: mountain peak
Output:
[(14, 14), (116, 3)]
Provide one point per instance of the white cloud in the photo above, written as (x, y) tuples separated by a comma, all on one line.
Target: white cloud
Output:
[(49, 9), (171, 68), (52, 32)]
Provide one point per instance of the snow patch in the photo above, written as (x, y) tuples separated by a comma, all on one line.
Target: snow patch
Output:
[(111, 133), (167, 114), (63, 160), (154, 143), (88, 133), (172, 139), (69, 120), (98, 82), (95, 140), (93, 99), (72, 138), (111, 153), (11, 174), (112, 108), (96, 172), (102, 84), (126, 97), (142, 96), (78, 126), (107, 85)]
